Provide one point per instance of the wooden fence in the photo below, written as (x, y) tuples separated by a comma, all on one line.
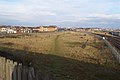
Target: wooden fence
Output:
[(10, 70)]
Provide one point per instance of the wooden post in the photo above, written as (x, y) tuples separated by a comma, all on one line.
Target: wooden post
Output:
[(1, 65), (11, 67), (105, 36), (3, 68), (85, 44), (19, 72), (7, 70), (25, 73), (14, 73), (31, 73)]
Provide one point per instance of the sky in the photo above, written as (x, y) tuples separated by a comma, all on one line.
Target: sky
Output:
[(63, 13)]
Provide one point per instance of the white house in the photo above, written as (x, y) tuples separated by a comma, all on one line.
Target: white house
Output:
[(10, 30), (7, 30), (3, 29)]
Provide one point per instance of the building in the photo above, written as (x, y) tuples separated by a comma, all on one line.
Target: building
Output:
[(61, 29), (36, 29), (11, 30), (3, 29), (21, 29), (49, 28), (79, 29), (96, 29), (7, 30), (45, 29)]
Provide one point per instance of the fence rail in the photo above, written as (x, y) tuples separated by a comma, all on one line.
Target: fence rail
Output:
[(10, 70), (114, 52)]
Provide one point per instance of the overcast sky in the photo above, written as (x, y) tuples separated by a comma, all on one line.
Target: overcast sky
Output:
[(66, 13)]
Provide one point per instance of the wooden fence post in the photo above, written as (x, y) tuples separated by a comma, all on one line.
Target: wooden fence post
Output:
[(31, 73), (11, 68), (1, 65), (25, 73), (7, 70), (14, 73), (19, 67)]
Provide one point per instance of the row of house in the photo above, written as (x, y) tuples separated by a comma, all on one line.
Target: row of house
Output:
[(87, 29), (45, 29), (21, 29)]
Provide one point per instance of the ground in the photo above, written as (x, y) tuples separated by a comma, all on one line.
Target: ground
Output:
[(61, 55)]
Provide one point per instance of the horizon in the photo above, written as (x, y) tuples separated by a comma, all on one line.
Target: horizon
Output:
[(60, 27), (65, 13)]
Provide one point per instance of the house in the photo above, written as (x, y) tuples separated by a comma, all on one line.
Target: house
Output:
[(79, 29), (10, 30), (48, 28), (28, 30), (23, 30), (3, 30), (7, 30), (36, 29), (45, 29), (88, 29), (96, 29), (61, 29)]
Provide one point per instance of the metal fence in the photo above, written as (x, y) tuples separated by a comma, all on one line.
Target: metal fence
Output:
[(113, 50), (10, 70)]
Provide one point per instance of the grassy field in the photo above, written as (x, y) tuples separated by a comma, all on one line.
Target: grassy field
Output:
[(61, 55)]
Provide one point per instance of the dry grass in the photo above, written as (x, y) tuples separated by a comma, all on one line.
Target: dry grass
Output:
[(70, 45), (36, 42), (67, 44), (62, 52)]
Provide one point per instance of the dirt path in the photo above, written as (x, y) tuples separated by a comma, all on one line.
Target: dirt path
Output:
[(56, 46)]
